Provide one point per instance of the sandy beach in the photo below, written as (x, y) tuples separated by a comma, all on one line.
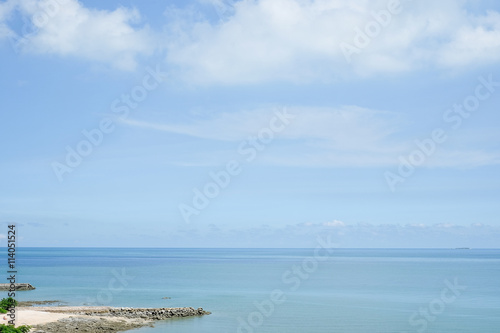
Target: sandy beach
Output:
[(25, 316), (44, 315), (65, 319)]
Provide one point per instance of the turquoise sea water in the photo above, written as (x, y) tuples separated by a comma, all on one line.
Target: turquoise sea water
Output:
[(280, 290)]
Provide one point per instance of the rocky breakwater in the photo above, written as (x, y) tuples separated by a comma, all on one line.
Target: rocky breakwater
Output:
[(131, 313), (109, 319), (17, 286)]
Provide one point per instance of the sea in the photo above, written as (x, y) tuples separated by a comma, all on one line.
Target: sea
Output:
[(278, 290)]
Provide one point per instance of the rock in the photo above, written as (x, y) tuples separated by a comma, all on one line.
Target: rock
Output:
[(87, 325), (18, 286), (146, 313)]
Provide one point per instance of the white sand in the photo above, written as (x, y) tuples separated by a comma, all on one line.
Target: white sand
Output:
[(43, 315), (31, 317)]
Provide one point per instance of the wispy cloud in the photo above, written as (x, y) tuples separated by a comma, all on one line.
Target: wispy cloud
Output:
[(224, 127), (344, 136), (339, 137)]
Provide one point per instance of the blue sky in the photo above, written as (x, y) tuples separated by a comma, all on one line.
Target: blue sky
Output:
[(264, 123)]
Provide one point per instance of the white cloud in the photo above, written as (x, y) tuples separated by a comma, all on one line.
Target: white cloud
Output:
[(267, 40), (295, 40), (478, 43), (67, 28), (334, 223)]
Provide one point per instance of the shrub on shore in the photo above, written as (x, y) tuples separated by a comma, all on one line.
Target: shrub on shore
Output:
[(6, 304), (11, 329)]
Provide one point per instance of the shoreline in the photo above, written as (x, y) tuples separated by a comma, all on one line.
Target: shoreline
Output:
[(66, 319)]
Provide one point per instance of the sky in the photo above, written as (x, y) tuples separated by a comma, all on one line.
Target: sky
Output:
[(250, 123)]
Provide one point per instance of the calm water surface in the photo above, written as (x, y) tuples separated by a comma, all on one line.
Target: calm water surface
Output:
[(279, 290)]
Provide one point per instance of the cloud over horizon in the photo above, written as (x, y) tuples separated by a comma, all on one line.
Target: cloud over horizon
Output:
[(347, 235)]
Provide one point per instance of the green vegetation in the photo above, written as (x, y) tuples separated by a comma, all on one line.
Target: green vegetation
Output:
[(7, 303), (12, 329)]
